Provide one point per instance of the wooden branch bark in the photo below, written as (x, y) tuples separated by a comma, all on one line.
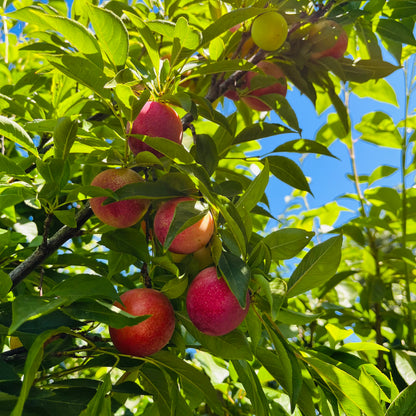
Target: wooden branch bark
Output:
[(45, 250)]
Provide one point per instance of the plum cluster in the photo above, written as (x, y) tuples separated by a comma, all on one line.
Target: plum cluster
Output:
[(211, 305), (269, 32)]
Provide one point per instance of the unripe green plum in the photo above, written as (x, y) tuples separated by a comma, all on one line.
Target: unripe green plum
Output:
[(155, 120), (280, 87), (189, 240), (327, 38), (211, 305), (150, 335), (119, 214), (269, 31)]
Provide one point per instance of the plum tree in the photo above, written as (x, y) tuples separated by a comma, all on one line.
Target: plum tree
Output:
[(73, 77), (155, 120), (269, 31), (212, 306), (279, 87), (119, 214), (327, 38), (150, 335), (189, 240)]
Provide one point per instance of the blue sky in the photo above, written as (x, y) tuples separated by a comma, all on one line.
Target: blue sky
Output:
[(328, 175)]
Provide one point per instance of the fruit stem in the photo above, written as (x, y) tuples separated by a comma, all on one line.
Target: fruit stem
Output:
[(146, 276)]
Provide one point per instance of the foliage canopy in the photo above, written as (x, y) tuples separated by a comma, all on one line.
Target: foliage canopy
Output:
[(72, 78)]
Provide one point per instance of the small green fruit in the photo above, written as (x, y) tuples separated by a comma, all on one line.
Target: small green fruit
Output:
[(269, 31)]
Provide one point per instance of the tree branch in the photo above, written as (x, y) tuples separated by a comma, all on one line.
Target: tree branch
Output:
[(45, 250), (216, 90)]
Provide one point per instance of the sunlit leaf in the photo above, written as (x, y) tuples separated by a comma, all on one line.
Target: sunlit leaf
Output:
[(111, 32), (12, 131), (318, 266)]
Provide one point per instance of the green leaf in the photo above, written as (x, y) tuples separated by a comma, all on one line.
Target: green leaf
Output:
[(222, 66), (337, 333), (189, 38), (331, 131), (171, 185), (206, 152), (384, 197), (169, 148), (95, 310), (189, 373), (207, 111), (278, 364), (227, 21), (352, 396), (129, 102), (127, 240), (283, 109), (237, 275), (73, 31), (288, 172), (64, 135), (67, 217), (216, 49), (83, 286), (32, 364), (379, 90), (175, 287), (112, 34), (232, 217), (286, 243), (147, 38), (340, 109), (365, 69), (303, 146), (404, 404), (317, 267), (12, 131), (381, 172), (259, 131), (232, 346), (186, 214), (363, 346), (406, 365), (252, 386), (290, 317), (11, 168), (183, 37), (5, 284), (255, 191), (379, 128), (27, 307), (394, 30), (100, 405), (154, 381), (82, 70)]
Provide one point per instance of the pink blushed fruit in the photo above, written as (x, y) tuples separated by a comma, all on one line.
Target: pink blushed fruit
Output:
[(280, 87), (211, 305), (119, 214), (155, 120), (328, 38), (150, 335)]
